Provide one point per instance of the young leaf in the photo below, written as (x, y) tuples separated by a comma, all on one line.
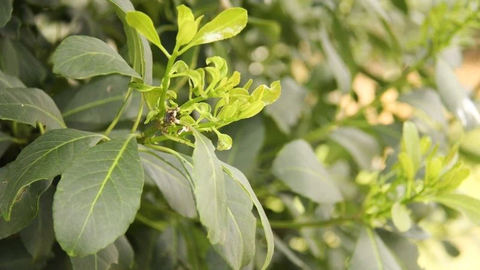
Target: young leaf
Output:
[(102, 260), (411, 143), (80, 57), (29, 106), (187, 28), (210, 191), (43, 159), (339, 69), (7, 81), (144, 25), (98, 196), (170, 177), (297, 166), (371, 253), (243, 181), (468, 205), (226, 25), (401, 217), (239, 247), (5, 11)]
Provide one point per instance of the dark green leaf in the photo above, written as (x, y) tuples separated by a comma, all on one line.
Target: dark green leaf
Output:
[(14, 256), (5, 142), (80, 57), (5, 11), (167, 172), (7, 81), (98, 196), (210, 191), (43, 159), (102, 260), (297, 166), (39, 237), (371, 253), (28, 106), (402, 5), (465, 204)]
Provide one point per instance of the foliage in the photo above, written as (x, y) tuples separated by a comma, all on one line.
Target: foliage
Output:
[(240, 140)]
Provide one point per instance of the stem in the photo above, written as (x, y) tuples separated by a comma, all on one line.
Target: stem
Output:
[(279, 224), (166, 78), (139, 116), (41, 128), (119, 114)]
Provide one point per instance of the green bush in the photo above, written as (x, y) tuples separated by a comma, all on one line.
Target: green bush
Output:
[(241, 134)]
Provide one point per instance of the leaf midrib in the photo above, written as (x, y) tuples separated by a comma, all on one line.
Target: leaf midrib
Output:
[(92, 105), (62, 124)]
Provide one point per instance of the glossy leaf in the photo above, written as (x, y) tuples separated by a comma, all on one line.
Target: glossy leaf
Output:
[(98, 196), (43, 159), (401, 217), (297, 166), (8, 81), (243, 181), (226, 25), (80, 57), (465, 204), (371, 253), (28, 106), (170, 177), (339, 68), (239, 247), (144, 25), (6, 9), (210, 191), (102, 260)]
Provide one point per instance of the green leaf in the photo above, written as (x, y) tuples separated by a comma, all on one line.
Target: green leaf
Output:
[(401, 217), (29, 106), (187, 28), (139, 51), (465, 204), (102, 260), (402, 5), (210, 191), (428, 101), (339, 68), (46, 157), (239, 247), (80, 57), (14, 256), (98, 196), (243, 181), (362, 146), (125, 254), (224, 141), (5, 11), (5, 141), (405, 251), (172, 179), (96, 102), (25, 208), (371, 253), (411, 144), (39, 236), (144, 25), (226, 25), (7, 81), (297, 166)]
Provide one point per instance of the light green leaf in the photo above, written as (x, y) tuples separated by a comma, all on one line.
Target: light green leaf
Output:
[(172, 179), (405, 250), (102, 260), (210, 191), (407, 165), (371, 253), (339, 68), (297, 166), (411, 143), (239, 247), (139, 51), (29, 106), (39, 236), (5, 11), (26, 207), (7, 81), (243, 181), (46, 157), (187, 28), (401, 217), (465, 204), (144, 25), (252, 109), (226, 25), (80, 57), (98, 196)]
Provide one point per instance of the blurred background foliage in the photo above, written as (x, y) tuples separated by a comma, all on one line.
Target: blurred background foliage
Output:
[(352, 71)]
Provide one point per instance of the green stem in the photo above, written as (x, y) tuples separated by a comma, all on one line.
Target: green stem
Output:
[(139, 116), (166, 78), (279, 224), (119, 114), (192, 101), (41, 128)]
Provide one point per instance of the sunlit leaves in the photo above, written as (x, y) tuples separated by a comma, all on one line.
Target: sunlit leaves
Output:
[(29, 106), (187, 28), (297, 166), (144, 25), (468, 205), (401, 217), (98, 196), (80, 57)]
